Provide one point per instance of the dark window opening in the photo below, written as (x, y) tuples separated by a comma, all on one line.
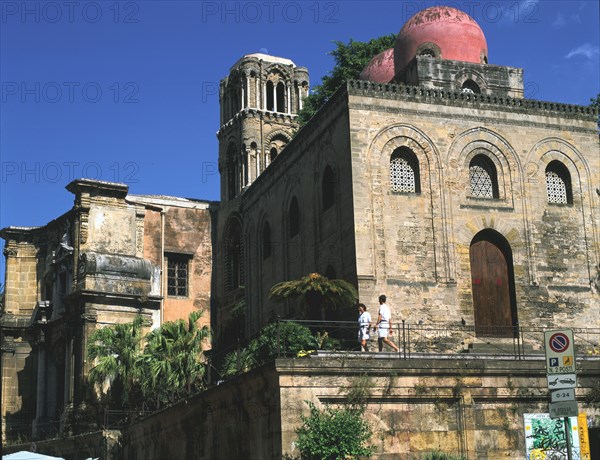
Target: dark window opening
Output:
[(266, 240), (280, 97), (328, 187), (234, 258), (294, 218), (270, 96), (470, 87), (177, 275), (273, 153)]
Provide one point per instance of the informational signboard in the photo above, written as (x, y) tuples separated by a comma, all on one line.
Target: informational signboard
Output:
[(560, 352), (568, 394), (561, 381), (564, 409), (545, 437)]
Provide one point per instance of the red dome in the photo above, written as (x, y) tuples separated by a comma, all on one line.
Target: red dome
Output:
[(380, 69), (447, 32)]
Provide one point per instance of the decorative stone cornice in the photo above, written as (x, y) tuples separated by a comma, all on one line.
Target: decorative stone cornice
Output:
[(440, 96)]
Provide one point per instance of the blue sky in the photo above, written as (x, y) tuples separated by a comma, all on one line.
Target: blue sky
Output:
[(127, 91)]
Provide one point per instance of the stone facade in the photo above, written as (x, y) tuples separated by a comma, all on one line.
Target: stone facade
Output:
[(112, 257), (469, 407), (416, 246)]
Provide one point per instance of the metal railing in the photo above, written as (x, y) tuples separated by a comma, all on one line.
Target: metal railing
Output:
[(418, 340)]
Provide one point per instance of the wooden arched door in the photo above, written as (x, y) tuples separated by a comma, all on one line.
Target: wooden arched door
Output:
[(492, 277)]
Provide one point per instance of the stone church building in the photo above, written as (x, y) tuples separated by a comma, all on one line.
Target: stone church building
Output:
[(430, 179)]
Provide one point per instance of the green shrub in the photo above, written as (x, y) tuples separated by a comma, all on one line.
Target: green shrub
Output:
[(332, 434)]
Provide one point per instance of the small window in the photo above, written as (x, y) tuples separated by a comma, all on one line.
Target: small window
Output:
[(404, 171), (427, 52), (273, 153), (280, 97), (266, 241), (470, 87), (234, 257), (294, 218), (558, 183), (177, 275), (483, 177), (328, 188), (270, 96)]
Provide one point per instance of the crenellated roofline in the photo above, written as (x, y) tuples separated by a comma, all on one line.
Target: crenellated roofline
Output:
[(399, 91)]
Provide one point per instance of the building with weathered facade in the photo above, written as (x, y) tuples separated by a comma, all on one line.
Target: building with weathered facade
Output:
[(111, 257), (431, 179)]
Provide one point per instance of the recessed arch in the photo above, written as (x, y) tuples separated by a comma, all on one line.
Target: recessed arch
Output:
[(493, 285)]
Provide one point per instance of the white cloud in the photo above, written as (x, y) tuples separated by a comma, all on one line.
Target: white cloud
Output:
[(587, 50)]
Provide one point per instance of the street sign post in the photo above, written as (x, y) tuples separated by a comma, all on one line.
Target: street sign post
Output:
[(560, 352), (564, 409), (560, 370), (567, 394), (561, 381)]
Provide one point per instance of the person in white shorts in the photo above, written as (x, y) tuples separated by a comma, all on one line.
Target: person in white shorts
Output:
[(364, 326), (384, 324)]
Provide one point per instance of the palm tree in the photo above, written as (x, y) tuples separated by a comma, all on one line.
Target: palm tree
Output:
[(116, 349), (173, 360), (318, 292)]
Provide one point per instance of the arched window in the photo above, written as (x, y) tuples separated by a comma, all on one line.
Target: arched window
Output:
[(558, 183), (234, 257), (280, 97), (273, 153), (483, 177), (294, 215), (232, 172), (266, 241), (270, 96), (470, 87), (328, 188), (404, 171)]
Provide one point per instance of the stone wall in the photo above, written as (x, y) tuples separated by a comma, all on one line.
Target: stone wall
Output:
[(415, 247), (472, 407)]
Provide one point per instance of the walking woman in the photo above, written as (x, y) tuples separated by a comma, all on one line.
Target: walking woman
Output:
[(364, 324)]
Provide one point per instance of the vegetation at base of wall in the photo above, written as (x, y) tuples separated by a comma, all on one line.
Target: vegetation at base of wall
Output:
[(334, 433), (158, 369), (284, 338), (350, 59), (438, 455)]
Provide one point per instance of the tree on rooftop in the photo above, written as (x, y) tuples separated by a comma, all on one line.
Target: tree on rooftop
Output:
[(350, 59), (318, 292)]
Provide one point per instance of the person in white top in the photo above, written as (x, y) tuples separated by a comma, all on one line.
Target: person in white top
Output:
[(384, 324), (364, 325)]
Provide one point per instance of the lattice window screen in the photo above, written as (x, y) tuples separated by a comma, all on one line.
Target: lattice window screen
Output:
[(402, 175), (556, 188), (482, 179)]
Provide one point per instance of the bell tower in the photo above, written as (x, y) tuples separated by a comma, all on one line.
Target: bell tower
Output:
[(260, 100)]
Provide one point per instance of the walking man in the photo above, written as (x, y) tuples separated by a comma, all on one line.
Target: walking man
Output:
[(384, 323)]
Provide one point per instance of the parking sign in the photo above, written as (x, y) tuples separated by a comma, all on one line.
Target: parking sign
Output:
[(560, 353)]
